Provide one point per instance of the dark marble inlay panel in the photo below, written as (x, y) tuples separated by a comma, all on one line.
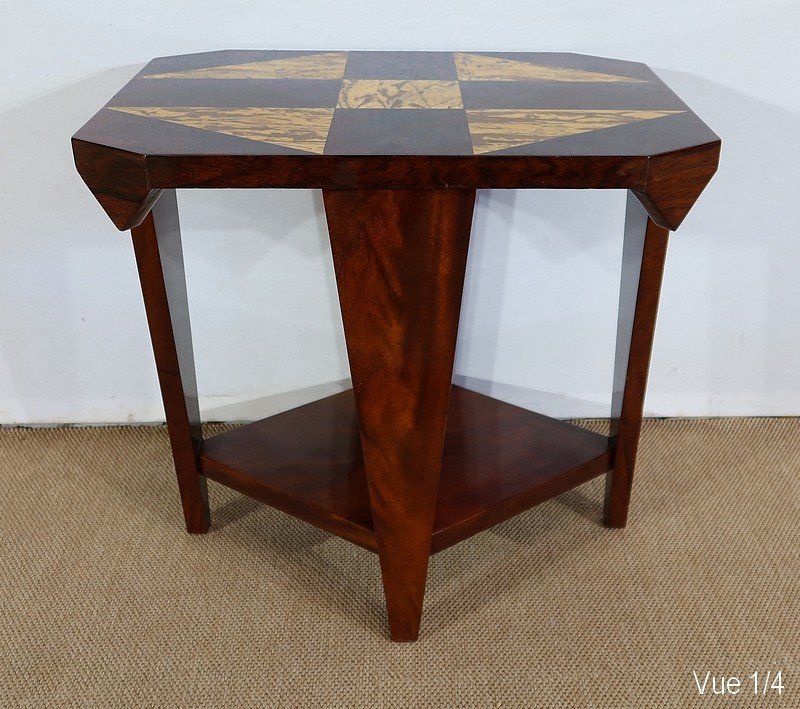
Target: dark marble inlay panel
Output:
[(224, 93), (369, 131), (547, 94), (401, 65)]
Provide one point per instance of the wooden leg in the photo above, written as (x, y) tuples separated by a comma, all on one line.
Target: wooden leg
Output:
[(400, 257), (157, 243), (643, 254)]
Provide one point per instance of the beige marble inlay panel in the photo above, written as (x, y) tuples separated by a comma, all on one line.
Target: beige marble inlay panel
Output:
[(497, 129), (300, 128), (329, 65), (475, 67), (400, 93)]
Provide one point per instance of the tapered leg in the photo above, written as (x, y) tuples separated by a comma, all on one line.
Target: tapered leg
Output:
[(400, 257), (157, 243), (643, 255)]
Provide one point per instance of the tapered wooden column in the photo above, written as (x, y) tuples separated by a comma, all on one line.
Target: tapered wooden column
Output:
[(643, 255), (159, 257), (400, 257)]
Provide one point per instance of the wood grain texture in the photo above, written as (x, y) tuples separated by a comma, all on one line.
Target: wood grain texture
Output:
[(118, 181), (674, 183), (398, 142), (306, 462), (484, 67), (159, 257), (643, 256), (300, 128), (501, 120), (397, 171), (498, 461), (326, 65), (400, 258), (497, 129)]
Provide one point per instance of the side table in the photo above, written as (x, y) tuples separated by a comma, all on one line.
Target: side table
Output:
[(404, 464)]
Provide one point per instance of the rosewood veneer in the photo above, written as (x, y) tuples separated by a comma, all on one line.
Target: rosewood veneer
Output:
[(404, 464)]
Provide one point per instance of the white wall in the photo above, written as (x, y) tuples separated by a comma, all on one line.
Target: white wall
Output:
[(537, 325)]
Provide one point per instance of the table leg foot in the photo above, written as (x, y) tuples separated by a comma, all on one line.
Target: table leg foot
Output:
[(400, 257), (643, 256), (159, 257)]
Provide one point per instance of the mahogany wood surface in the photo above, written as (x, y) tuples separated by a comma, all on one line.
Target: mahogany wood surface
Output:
[(159, 257), (643, 255), (498, 461), (403, 465), (400, 258), (395, 120)]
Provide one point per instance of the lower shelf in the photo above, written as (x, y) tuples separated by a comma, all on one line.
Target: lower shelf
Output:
[(498, 460)]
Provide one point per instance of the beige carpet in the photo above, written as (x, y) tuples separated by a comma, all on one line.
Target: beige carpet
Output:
[(105, 601)]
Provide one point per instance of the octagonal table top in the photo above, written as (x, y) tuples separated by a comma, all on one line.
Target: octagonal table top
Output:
[(340, 119)]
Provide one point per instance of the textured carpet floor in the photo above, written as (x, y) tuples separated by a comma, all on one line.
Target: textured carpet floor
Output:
[(105, 601)]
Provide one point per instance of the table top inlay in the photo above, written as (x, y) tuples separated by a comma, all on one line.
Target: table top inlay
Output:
[(291, 108), (447, 103)]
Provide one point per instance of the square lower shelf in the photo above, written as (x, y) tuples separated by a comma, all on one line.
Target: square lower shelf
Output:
[(498, 461)]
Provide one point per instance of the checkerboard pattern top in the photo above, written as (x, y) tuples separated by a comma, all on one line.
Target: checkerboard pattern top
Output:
[(395, 103)]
